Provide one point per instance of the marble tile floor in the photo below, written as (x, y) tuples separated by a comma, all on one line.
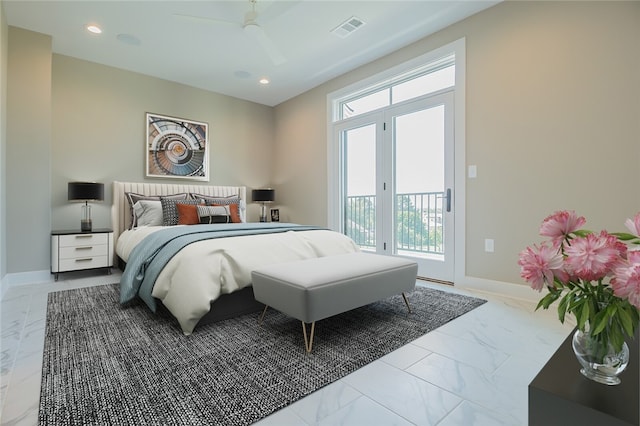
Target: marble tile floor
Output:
[(475, 370)]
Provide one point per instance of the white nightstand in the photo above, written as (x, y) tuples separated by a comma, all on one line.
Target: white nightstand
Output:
[(76, 251)]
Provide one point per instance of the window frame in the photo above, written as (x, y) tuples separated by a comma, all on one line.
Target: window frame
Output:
[(412, 73), (334, 165)]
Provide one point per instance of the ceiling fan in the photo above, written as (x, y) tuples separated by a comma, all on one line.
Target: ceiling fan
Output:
[(252, 29)]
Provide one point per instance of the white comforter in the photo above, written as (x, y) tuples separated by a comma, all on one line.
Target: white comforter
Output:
[(204, 270)]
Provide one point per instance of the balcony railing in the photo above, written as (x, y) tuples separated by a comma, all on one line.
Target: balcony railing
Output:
[(419, 225)]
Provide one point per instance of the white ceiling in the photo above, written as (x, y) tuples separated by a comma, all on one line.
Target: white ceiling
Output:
[(172, 41)]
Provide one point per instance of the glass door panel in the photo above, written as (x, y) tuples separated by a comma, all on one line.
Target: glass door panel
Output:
[(422, 169), (420, 191), (359, 145)]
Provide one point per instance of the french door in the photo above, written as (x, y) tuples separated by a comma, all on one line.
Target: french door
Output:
[(397, 182)]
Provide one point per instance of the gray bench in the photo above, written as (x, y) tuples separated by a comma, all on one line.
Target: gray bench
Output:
[(314, 289)]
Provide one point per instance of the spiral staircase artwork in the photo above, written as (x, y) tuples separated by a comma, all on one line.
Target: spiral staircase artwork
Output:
[(176, 148)]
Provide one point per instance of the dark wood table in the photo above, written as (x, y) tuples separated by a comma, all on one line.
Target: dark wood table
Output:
[(561, 395)]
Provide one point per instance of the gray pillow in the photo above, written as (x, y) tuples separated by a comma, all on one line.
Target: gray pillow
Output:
[(148, 213)]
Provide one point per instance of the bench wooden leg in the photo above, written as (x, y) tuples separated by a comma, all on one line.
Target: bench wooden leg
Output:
[(261, 317), (406, 302), (308, 343)]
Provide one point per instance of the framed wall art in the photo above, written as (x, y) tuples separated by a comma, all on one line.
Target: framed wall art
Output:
[(275, 215), (177, 148)]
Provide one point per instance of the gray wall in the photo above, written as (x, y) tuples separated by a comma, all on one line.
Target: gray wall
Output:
[(75, 120), (28, 151), (552, 108), (99, 132), (3, 140)]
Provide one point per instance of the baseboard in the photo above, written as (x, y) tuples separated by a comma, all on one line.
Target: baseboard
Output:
[(516, 291), (4, 286), (22, 278)]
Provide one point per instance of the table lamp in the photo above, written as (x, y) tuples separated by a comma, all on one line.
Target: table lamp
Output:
[(263, 196), (85, 191)]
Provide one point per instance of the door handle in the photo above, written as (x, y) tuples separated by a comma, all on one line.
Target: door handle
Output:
[(448, 199)]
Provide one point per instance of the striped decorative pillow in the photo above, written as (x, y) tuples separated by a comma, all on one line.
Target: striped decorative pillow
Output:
[(237, 206), (214, 214)]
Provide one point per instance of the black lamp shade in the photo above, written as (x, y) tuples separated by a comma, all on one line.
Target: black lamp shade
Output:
[(263, 195), (85, 191)]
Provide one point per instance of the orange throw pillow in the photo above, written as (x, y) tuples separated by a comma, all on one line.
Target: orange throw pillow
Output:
[(187, 214)]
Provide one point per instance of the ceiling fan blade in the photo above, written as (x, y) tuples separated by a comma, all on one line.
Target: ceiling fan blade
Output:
[(266, 43), (204, 19)]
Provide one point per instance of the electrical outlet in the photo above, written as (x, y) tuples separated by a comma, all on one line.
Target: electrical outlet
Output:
[(488, 245)]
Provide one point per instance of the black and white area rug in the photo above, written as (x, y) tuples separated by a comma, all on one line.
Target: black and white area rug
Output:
[(107, 365)]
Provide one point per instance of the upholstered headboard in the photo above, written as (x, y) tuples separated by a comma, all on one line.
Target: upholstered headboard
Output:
[(121, 215)]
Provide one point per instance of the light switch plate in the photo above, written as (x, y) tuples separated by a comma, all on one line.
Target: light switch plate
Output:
[(488, 245)]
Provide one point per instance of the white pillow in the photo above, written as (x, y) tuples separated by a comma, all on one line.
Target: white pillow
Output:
[(148, 213)]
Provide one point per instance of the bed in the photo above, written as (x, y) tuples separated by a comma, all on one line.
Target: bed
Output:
[(200, 272)]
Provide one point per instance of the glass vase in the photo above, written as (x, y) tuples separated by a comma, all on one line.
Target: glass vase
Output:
[(599, 363)]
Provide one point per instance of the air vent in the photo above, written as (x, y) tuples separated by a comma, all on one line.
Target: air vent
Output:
[(348, 27)]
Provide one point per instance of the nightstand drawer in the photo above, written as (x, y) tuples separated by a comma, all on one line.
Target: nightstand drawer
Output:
[(82, 240), (83, 251), (88, 262)]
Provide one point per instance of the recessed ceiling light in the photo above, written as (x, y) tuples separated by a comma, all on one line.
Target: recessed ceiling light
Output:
[(264, 80), (94, 29)]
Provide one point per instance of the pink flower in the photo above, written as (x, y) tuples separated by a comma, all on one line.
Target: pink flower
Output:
[(538, 265), (633, 225), (626, 282), (560, 224), (593, 257), (579, 265)]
